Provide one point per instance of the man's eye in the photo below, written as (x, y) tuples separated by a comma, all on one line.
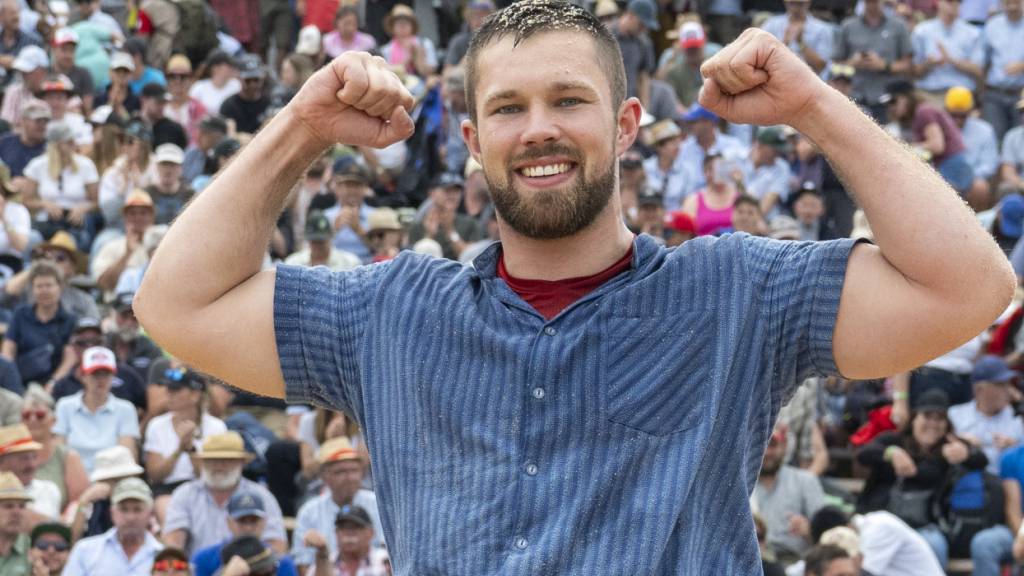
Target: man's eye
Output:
[(508, 109), (569, 101)]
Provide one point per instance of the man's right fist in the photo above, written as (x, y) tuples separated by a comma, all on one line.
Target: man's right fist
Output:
[(356, 100)]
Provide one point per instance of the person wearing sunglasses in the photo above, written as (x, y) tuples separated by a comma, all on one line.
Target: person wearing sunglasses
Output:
[(51, 546), (56, 462), (182, 107), (171, 562)]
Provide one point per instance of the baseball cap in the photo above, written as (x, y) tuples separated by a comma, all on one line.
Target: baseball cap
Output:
[(87, 323), (448, 180), (256, 554), (691, 35), (36, 110), (346, 168), (244, 504), (58, 83), (646, 11), (309, 42), (773, 136), (123, 301), (169, 152), (138, 129), (808, 187), (681, 222), (131, 489), (650, 197), (354, 514), (65, 36), (30, 59), (214, 123), (59, 131), (179, 64), (933, 400), (698, 112), (122, 61), (959, 99), (383, 219), (894, 89), (318, 227), (98, 358), (154, 90), (991, 368), (57, 528), (178, 378), (1011, 215), (250, 67), (226, 148)]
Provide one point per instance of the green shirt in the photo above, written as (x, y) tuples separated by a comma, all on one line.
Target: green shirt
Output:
[(16, 563)]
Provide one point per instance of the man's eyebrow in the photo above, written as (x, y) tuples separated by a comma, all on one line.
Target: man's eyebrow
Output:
[(559, 86), (498, 96)]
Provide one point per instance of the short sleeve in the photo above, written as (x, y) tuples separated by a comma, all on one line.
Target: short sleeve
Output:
[(35, 170), (88, 170), (128, 420), (799, 284), (177, 510), (14, 329), (319, 321), (61, 417)]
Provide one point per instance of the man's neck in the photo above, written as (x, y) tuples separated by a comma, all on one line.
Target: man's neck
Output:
[(767, 480), (342, 499), (585, 253), (220, 496), (46, 313), (30, 142), (130, 543), (319, 253), (874, 19), (707, 140), (7, 543)]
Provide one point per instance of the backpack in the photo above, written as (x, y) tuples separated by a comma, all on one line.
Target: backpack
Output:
[(197, 32), (972, 502)]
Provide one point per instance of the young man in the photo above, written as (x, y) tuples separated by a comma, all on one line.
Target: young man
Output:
[(545, 419)]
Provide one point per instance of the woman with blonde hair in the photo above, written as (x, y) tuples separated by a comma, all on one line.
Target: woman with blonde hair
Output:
[(133, 168), (61, 188), (57, 463)]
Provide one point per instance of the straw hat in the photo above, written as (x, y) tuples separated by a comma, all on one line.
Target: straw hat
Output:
[(337, 450), (11, 488), (16, 438), (401, 11), (61, 240), (226, 446)]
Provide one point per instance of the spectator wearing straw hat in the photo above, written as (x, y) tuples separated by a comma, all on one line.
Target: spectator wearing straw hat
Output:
[(414, 54), (19, 456), (92, 516), (197, 514), (125, 251), (14, 541), (980, 145), (1012, 158), (127, 549), (61, 250), (665, 172), (341, 469)]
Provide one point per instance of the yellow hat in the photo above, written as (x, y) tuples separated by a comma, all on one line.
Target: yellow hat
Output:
[(16, 438), (336, 450), (959, 99), (11, 488), (226, 446)]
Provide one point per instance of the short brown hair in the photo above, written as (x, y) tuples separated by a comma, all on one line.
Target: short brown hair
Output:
[(44, 269), (528, 18)]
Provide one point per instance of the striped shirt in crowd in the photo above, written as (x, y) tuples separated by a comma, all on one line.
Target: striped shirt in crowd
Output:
[(623, 436)]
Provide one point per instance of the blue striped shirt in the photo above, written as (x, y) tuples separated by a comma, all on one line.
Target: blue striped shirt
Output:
[(623, 436)]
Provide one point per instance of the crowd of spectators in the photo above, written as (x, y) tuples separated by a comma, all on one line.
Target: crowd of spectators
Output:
[(117, 459)]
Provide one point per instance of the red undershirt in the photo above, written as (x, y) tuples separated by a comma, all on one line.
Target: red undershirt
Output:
[(549, 297)]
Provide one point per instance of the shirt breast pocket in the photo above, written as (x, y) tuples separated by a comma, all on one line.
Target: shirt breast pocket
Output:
[(656, 371)]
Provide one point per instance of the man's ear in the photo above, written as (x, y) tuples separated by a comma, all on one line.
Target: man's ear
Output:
[(628, 126), (471, 137)]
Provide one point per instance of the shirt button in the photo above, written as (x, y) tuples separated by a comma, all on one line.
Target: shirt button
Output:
[(550, 331), (531, 469), (521, 543), (538, 393)]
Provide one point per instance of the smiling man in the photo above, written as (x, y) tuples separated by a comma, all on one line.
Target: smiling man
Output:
[(580, 400)]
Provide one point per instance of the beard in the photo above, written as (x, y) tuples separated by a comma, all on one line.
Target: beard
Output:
[(221, 480), (553, 214), (770, 467)]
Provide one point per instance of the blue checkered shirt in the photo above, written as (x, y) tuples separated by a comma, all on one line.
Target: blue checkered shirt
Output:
[(623, 436)]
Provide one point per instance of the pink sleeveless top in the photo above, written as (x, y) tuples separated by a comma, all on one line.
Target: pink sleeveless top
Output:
[(709, 220)]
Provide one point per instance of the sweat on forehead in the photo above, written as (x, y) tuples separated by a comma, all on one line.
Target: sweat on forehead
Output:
[(525, 19)]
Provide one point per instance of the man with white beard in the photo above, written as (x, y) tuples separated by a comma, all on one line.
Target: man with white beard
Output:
[(197, 516)]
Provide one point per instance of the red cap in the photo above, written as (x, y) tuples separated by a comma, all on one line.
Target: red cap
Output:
[(98, 358), (681, 222)]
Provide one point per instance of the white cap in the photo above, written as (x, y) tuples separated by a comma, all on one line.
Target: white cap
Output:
[(65, 36), (122, 60), (309, 41), (98, 358), (169, 152), (31, 58)]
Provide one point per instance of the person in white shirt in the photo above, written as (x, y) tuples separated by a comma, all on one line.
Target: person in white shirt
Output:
[(353, 532), (174, 438), (888, 547), (221, 84), (62, 186), (15, 220), (989, 421)]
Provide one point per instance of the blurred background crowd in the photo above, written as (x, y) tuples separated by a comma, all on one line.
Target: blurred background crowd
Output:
[(117, 459)]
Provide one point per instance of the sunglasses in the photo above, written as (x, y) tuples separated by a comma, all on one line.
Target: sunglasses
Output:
[(174, 374), (170, 565), (58, 546), (37, 414)]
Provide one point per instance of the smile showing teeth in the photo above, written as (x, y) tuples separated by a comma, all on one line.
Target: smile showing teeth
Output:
[(548, 170)]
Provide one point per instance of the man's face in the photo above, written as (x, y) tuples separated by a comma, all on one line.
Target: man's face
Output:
[(703, 129), (992, 397), (64, 55), (131, 517), (960, 118), (899, 108), (252, 88), (34, 79), (629, 23), (120, 77), (247, 526), (545, 133), (763, 154), (347, 25), (169, 175), (98, 382), (948, 8), (652, 214), (46, 290), (88, 7), (746, 218), (12, 516), (35, 130), (773, 455), (207, 139), (138, 218), (10, 15), (52, 550), (809, 208), (343, 478), (58, 102), (222, 474), (669, 148), (873, 8), (353, 540), (21, 464), (348, 192), (178, 82), (447, 198), (152, 108), (1014, 9), (797, 8)]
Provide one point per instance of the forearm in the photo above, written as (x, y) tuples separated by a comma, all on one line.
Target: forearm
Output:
[(910, 202), (159, 468), (901, 66)]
